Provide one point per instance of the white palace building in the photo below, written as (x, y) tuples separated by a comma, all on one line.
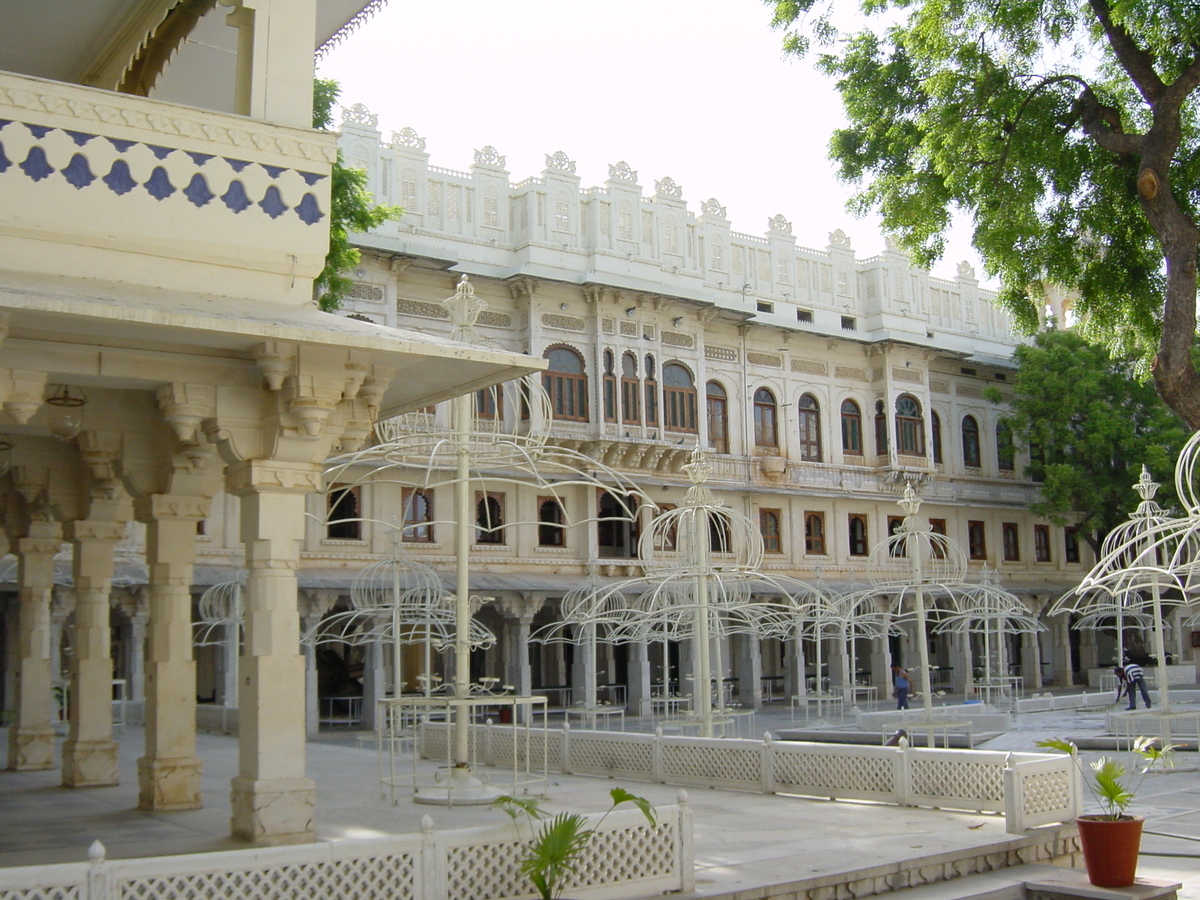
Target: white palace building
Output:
[(170, 395)]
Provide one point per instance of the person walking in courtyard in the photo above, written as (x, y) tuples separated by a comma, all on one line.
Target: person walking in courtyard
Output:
[(1135, 678), (903, 685)]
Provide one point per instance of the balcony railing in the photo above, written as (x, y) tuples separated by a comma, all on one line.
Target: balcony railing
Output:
[(161, 195)]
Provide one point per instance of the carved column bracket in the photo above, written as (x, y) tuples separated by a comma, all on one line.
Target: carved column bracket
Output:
[(185, 406), (21, 391), (277, 360)]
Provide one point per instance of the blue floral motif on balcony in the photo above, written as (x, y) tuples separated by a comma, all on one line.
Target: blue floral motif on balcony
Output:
[(239, 183), (309, 210), (118, 179), (272, 203), (158, 185), (197, 191), (36, 166), (235, 198), (77, 172)]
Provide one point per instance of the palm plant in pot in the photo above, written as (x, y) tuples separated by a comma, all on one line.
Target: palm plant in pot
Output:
[(1111, 839), (555, 848)]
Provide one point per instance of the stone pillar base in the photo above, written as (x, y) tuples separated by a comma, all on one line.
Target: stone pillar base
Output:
[(273, 811), (169, 783), (30, 749), (89, 763)]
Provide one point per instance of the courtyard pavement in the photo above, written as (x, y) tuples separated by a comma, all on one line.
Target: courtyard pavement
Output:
[(742, 840)]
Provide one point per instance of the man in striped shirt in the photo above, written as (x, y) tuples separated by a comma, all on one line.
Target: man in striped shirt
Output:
[(1135, 677)]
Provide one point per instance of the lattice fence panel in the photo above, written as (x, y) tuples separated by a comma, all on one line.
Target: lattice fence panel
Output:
[(1044, 792), (979, 783), (435, 737), (433, 742), (626, 854), (632, 758), (712, 762), (353, 879), (52, 892), (533, 745), (844, 773), (488, 872)]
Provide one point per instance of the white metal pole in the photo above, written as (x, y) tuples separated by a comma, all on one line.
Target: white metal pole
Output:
[(462, 550)]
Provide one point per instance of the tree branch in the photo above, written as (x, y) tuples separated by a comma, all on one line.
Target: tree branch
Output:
[(1178, 90), (1134, 59), (1102, 124)]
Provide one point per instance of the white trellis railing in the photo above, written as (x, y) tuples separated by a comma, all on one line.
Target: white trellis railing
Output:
[(627, 856), (1031, 789)]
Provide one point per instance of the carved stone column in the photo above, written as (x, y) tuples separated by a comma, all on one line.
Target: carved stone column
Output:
[(31, 737), (881, 666), (637, 698), (1061, 660), (747, 668), (136, 691), (272, 798), (314, 606), (89, 753), (374, 684), (169, 773), (1031, 661), (1089, 653), (795, 684), (962, 664)]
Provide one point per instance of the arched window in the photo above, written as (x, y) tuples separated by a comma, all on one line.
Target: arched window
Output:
[(610, 387), (651, 392), (489, 518), (343, 521), (858, 536), (1006, 456), (935, 426), (766, 432), (720, 538), (970, 442), (851, 428), (810, 429), (489, 403), (679, 398), (550, 522), (814, 533), (631, 391), (566, 383), (718, 417), (418, 515), (910, 427), (768, 527)]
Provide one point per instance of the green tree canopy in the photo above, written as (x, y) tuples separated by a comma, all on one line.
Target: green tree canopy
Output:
[(1066, 129), (1088, 425), (352, 208)]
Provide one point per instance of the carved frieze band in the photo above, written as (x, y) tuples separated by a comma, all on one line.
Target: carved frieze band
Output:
[(854, 373), (724, 354), (768, 360), (253, 475), (566, 323), (172, 506), (809, 367), (202, 127)]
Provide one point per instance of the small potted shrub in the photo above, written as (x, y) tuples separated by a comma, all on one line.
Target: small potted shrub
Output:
[(1111, 839), (554, 849)]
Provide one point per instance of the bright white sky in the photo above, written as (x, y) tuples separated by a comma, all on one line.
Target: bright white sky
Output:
[(695, 89)]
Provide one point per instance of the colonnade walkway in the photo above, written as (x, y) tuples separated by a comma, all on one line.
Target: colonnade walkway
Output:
[(743, 842)]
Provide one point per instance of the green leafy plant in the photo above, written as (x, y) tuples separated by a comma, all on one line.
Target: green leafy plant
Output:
[(352, 208), (555, 847), (1112, 783)]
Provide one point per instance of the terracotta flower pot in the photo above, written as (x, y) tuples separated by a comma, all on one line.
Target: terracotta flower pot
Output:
[(1110, 849)]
